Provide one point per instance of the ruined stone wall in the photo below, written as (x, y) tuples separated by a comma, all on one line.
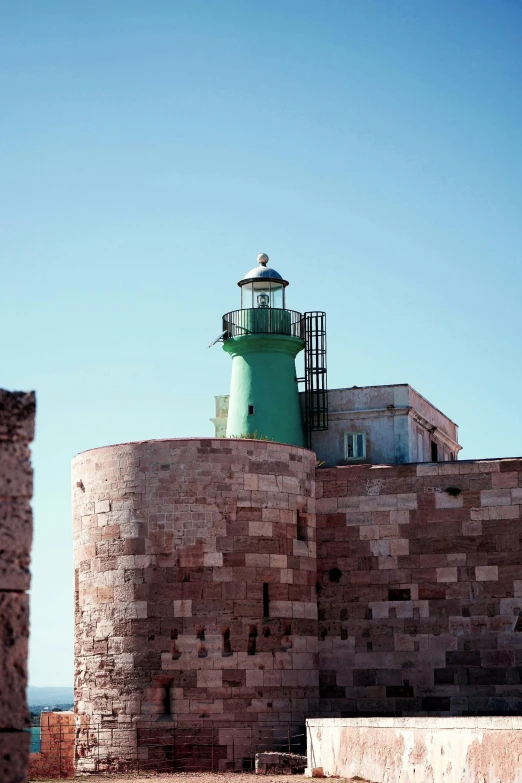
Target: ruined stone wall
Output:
[(56, 756), (196, 597), (420, 607), (17, 412)]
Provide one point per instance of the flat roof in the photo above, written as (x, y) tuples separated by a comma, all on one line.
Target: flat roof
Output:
[(391, 386)]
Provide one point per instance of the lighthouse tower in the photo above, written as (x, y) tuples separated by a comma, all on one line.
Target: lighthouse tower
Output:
[(263, 338)]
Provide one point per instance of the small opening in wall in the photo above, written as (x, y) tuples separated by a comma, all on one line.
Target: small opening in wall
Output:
[(301, 527), (286, 642), (227, 646), (167, 695), (250, 410), (252, 637), (399, 594), (453, 491), (334, 574), (266, 600), (434, 451), (200, 633)]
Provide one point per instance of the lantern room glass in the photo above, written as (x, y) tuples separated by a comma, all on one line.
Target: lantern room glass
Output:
[(262, 294)]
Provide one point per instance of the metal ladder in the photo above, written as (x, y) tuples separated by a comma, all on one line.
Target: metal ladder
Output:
[(315, 381)]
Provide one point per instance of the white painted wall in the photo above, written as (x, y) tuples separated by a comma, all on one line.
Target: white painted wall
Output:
[(416, 750)]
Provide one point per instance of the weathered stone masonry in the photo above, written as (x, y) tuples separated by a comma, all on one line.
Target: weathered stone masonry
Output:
[(196, 591), (421, 603), (199, 585), (17, 412)]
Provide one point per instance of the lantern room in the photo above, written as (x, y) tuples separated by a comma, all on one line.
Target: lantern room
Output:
[(263, 287)]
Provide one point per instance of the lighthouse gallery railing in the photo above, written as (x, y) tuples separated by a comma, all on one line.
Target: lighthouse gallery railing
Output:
[(264, 320)]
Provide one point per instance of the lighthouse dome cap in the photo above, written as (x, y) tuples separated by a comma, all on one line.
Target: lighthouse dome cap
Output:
[(263, 272)]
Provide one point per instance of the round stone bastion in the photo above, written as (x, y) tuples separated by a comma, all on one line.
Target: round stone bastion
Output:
[(195, 602)]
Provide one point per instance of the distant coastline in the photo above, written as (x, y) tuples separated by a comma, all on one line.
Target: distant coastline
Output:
[(37, 696)]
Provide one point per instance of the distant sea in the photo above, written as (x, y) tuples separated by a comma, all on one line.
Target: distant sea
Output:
[(35, 739)]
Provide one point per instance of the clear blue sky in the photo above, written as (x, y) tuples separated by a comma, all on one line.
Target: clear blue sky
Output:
[(150, 150)]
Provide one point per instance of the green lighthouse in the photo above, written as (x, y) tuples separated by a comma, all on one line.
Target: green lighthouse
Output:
[(263, 338)]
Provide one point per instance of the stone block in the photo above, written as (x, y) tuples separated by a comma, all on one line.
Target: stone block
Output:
[(16, 528), (14, 633), (276, 763), (16, 475), (472, 528), (209, 678), (495, 497), (380, 548), (447, 574), (183, 608), (17, 415), (387, 563), (444, 500), (102, 506), (486, 573), (400, 546), (260, 529)]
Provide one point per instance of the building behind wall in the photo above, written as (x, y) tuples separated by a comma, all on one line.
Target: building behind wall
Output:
[(376, 424)]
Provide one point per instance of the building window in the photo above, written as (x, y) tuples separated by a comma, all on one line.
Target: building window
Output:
[(434, 451), (420, 449), (355, 445), (250, 410)]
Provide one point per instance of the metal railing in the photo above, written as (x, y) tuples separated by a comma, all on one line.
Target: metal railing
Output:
[(269, 320), (176, 748)]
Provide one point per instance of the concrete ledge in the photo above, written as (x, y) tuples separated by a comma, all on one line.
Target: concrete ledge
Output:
[(408, 750)]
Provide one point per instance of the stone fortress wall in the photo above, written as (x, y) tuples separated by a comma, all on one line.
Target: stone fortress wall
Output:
[(17, 414), (199, 583), (195, 567), (420, 608)]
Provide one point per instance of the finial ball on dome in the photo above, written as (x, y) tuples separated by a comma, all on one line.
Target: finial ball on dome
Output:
[(263, 259)]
